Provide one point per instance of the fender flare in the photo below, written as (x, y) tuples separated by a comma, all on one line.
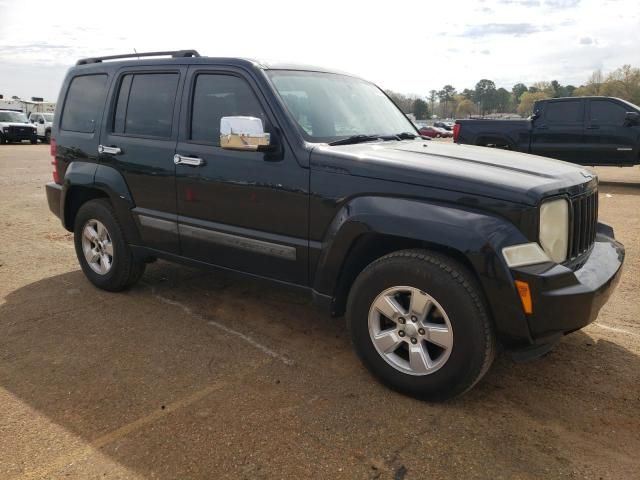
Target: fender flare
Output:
[(110, 183), (476, 236)]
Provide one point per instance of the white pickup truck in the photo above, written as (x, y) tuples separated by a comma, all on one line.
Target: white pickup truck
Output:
[(42, 122), (14, 127)]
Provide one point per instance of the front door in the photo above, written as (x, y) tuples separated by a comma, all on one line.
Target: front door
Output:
[(559, 131), (139, 140), (243, 210), (610, 140)]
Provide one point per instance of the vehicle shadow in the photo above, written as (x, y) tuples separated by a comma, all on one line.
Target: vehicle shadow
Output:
[(127, 373)]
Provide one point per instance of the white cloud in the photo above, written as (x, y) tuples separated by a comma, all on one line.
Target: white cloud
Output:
[(399, 45)]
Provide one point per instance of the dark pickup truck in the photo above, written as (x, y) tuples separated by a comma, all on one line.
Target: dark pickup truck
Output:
[(583, 130), (314, 180)]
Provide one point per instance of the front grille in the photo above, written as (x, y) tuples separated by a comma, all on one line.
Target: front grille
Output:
[(584, 218), (20, 131)]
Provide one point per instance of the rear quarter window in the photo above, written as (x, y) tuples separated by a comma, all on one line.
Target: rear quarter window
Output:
[(84, 102)]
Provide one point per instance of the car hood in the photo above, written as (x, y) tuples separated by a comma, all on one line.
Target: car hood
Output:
[(488, 172)]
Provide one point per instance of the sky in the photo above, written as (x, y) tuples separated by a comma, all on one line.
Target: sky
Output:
[(409, 47)]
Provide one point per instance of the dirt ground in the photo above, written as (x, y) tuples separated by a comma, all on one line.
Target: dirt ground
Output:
[(191, 375)]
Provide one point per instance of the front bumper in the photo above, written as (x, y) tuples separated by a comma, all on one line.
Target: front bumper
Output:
[(567, 299), (54, 192)]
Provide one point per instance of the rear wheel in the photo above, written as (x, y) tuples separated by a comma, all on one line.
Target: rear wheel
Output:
[(103, 253), (419, 324)]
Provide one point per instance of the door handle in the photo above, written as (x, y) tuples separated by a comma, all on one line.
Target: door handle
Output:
[(593, 127), (542, 127), (109, 150), (184, 160)]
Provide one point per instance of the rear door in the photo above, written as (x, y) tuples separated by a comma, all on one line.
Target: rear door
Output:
[(243, 210), (610, 140), (559, 131), (139, 140)]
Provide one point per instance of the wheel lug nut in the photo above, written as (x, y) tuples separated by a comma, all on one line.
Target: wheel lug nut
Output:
[(401, 320), (414, 318), (421, 331), (413, 340), (401, 333)]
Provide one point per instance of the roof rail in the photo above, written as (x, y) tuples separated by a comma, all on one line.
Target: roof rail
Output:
[(174, 54)]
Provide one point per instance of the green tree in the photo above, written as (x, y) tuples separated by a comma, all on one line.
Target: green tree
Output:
[(485, 95), (446, 95), (468, 94), (420, 109), (517, 90), (502, 100)]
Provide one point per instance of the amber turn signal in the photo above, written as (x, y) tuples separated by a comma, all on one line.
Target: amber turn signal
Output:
[(525, 296)]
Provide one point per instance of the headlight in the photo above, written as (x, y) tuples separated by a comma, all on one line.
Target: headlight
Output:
[(554, 229)]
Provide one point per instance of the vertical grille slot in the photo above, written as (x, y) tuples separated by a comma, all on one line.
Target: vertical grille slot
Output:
[(584, 219)]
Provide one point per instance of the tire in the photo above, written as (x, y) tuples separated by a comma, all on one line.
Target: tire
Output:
[(124, 269), (34, 141), (457, 334), (47, 137)]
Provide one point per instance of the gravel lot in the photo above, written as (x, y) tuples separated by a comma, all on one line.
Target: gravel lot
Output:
[(191, 375)]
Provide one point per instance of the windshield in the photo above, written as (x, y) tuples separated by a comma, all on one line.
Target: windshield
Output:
[(48, 117), (329, 107), (13, 117)]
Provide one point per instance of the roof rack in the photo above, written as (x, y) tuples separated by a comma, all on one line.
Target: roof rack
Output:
[(173, 54)]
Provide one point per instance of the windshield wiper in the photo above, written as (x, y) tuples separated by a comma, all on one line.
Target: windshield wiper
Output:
[(406, 136), (369, 138), (356, 139)]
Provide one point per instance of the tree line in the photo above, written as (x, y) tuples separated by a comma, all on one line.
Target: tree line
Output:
[(485, 98)]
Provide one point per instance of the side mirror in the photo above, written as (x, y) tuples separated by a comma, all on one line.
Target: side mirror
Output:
[(535, 115), (632, 118), (243, 133), (41, 121)]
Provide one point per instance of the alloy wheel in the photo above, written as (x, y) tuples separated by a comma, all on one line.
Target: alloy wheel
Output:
[(97, 246), (410, 330)]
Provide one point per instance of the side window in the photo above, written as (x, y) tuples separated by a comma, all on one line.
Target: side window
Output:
[(145, 104), (84, 102), (604, 112), (563, 112), (217, 96), (121, 106)]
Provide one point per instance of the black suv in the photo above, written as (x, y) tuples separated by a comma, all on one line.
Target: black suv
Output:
[(316, 180)]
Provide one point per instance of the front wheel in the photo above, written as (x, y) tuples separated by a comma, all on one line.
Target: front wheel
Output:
[(418, 322), (47, 137), (104, 255)]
